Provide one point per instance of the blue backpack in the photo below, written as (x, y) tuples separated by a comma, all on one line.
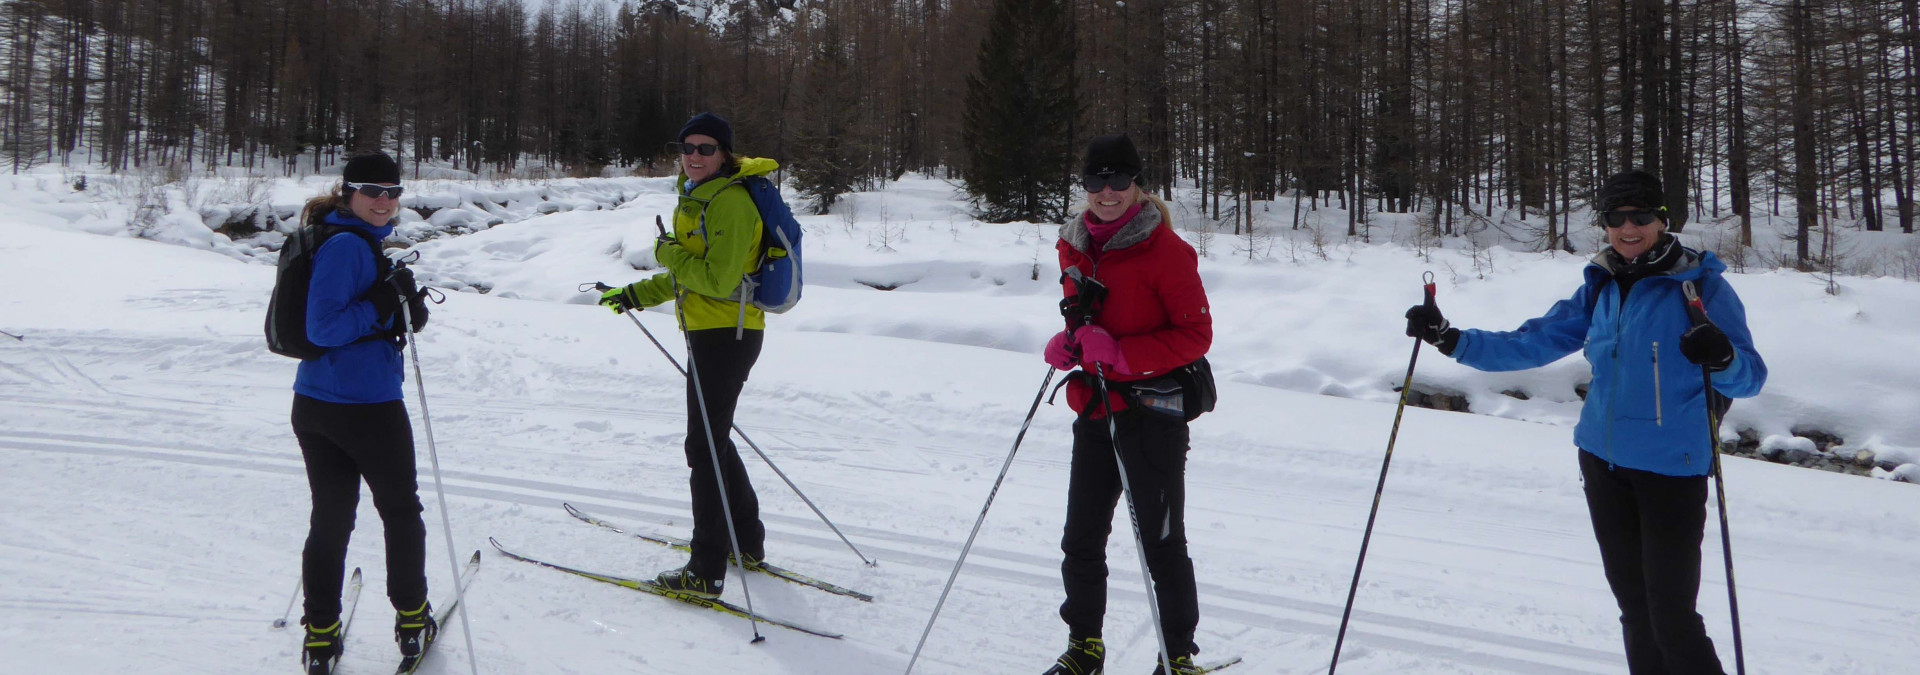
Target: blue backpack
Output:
[(775, 287)]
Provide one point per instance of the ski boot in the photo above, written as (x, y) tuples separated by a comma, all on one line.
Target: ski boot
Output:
[(1083, 657), (413, 630), (1182, 665), (321, 650), (685, 582)]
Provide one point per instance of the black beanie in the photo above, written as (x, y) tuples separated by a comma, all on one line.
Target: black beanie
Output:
[(371, 167), (1111, 154), (1630, 188), (711, 125)]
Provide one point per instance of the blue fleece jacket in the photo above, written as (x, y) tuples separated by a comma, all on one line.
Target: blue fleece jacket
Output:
[(1647, 406), (338, 315)]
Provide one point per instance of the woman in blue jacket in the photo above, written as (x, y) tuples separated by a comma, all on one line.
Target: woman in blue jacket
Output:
[(1645, 416), (348, 413)]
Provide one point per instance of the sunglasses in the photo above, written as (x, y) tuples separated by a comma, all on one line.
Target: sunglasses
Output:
[(1613, 219), (705, 149), (1118, 181), (375, 190)]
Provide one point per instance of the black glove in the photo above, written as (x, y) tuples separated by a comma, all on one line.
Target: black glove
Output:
[(1425, 321), (1706, 345), (417, 308), (389, 291)]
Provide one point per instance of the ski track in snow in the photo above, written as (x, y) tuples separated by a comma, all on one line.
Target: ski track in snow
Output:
[(152, 500)]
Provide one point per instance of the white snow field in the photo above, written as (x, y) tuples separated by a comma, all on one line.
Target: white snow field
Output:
[(153, 503)]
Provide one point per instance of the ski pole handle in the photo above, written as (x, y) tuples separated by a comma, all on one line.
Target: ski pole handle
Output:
[(1696, 308), (1431, 288), (661, 225), (595, 286)]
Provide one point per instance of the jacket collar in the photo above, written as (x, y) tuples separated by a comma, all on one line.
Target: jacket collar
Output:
[(748, 167), (1143, 225), (347, 219), (1686, 264)]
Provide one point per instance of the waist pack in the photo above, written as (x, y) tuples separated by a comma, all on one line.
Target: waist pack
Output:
[(1196, 382), (1186, 392)]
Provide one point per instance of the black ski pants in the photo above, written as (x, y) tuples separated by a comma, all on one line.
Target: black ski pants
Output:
[(1154, 449), (1649, 528), (343, 444), (722, 362)]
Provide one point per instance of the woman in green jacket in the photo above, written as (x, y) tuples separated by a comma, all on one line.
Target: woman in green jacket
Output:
[(716, 242)]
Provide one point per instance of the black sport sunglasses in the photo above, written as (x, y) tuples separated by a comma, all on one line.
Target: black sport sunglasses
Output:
[(1613, 219), (1118, 181), (705, 149), (375, 190)]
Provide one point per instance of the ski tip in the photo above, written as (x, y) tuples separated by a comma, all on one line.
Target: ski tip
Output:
[(496, 544), (569, 507), (356, 574), (475, 558)]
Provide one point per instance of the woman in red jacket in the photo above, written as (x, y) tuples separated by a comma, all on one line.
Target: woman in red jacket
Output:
[(1137, 313)]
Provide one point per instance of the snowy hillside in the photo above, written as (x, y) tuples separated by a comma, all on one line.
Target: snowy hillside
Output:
[(152, 501)]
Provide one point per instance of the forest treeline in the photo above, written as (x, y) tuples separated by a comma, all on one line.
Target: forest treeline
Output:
[(1450, 108)]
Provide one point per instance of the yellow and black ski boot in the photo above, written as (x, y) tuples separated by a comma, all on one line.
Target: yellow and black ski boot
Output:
[(1084, 656), (414, 630)]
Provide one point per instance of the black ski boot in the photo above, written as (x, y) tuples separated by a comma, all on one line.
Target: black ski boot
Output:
[(1182, 665), (686, 582), (322, 647), (413, 630), (1083, 657)]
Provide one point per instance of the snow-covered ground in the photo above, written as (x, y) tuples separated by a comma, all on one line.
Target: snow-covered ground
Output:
[(152, 501)]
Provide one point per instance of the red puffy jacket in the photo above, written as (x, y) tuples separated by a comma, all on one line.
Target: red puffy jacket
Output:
[(1155, 308)]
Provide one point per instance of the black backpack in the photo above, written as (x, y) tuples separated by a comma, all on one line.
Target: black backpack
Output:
[(287, 311)]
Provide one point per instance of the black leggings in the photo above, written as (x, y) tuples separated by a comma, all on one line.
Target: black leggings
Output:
[(1154, 448), (344, 443), (722, 362), (1649, 528)]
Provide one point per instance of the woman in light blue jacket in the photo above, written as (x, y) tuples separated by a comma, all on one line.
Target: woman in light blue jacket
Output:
[(1643, 431)]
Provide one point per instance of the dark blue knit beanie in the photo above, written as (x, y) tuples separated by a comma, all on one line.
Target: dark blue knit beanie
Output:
[(711, 125)]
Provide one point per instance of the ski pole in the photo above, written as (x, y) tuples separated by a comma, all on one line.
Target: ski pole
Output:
[(719, 481), (439, 488), (1083, 307), (1697, 309), (977, 522), (1405, 390), (15, 337), (743, 436), (1133, 513), (281, 623)]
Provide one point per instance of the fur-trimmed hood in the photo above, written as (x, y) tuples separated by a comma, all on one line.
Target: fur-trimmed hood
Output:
[(1075, 233)]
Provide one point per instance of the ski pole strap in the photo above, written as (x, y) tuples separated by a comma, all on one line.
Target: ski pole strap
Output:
[(1071, 375)]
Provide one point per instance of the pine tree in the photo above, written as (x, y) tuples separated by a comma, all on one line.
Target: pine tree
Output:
[(827, 153), (1020, 111)]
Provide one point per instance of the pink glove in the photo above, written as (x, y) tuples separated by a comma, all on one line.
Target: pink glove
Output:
[(1099, 346), (1061, 352)]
